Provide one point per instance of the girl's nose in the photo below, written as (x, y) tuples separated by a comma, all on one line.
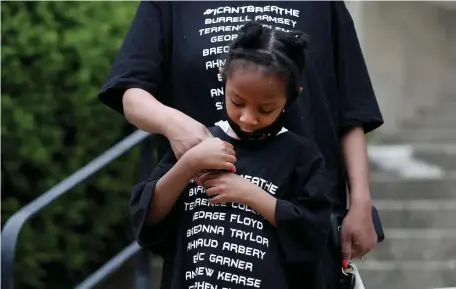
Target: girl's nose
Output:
[(248, 119)]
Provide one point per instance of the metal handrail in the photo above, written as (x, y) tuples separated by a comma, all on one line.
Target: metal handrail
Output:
[(16, 222), (111, 266)]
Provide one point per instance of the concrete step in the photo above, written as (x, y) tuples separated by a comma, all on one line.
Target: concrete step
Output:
[(444, 159), (445, 135), (416, 214), (416, 245), (407, 274), (403, 162), (399, 189), (434, 118), (446, 106), (434, 122), (440, 114), (413, 160)]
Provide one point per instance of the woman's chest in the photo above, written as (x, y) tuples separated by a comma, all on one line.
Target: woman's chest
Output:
[(201, 32), (207, 27)]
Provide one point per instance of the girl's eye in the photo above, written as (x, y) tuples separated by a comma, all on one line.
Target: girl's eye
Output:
[(236, 103), (264, 111)]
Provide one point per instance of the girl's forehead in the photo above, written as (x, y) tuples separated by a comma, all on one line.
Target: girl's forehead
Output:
[(259, 76), (256, 85)]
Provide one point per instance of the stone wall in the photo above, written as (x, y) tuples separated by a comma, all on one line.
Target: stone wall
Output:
[(410, 51)]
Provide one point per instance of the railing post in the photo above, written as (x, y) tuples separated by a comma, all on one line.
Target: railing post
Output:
[(142, 258)]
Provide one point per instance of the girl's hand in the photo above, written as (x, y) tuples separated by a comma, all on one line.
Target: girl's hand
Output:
[(224, 187), (212, 154)]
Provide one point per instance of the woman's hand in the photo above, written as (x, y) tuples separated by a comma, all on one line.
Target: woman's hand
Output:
[(185, 133), (212, 154), (358, 234)]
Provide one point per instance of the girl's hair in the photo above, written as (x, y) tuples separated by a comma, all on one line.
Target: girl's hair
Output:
[(277, 52)]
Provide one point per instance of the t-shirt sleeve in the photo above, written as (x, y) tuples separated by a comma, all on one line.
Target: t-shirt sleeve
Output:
[(358, 102), (139, 61), (154, 237), (303, 220)]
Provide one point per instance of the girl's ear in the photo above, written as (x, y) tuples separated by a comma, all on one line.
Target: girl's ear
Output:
[(220, 70), (300, 89)]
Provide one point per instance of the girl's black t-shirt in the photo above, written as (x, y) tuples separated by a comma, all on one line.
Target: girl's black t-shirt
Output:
[(229, 245), (173, 51)]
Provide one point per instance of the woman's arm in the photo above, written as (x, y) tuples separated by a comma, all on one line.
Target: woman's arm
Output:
[(359, 113), (145, 112), (358, 235), (354, 150), (137, 76)]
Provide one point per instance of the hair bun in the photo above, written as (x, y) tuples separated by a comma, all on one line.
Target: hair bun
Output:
[(294, 47), (249, 36), (252, 28), (297, 40)]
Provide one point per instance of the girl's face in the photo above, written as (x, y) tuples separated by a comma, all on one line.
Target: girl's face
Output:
[(254, 99)]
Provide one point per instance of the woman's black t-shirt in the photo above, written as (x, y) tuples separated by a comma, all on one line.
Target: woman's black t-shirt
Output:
[(173, 51), (229, 245)]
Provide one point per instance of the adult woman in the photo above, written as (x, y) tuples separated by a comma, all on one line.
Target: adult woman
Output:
[(165, 80)]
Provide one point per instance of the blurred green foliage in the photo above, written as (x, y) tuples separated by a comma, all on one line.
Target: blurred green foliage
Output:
[(55, 57)]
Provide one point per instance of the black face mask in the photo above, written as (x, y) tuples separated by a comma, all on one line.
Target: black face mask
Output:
[(258, 135), (263, 134)]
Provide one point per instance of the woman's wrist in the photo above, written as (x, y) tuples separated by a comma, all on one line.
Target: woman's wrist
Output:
[(360, 200), (145, 112), (171, 124)]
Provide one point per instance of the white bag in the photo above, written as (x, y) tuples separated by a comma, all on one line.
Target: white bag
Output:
[(359, 282), (352, 269)]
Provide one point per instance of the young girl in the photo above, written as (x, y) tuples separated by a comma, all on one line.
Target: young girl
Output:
[(259, 216)]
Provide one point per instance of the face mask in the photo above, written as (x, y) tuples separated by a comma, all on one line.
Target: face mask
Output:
[(264, 133), (258, 135)]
